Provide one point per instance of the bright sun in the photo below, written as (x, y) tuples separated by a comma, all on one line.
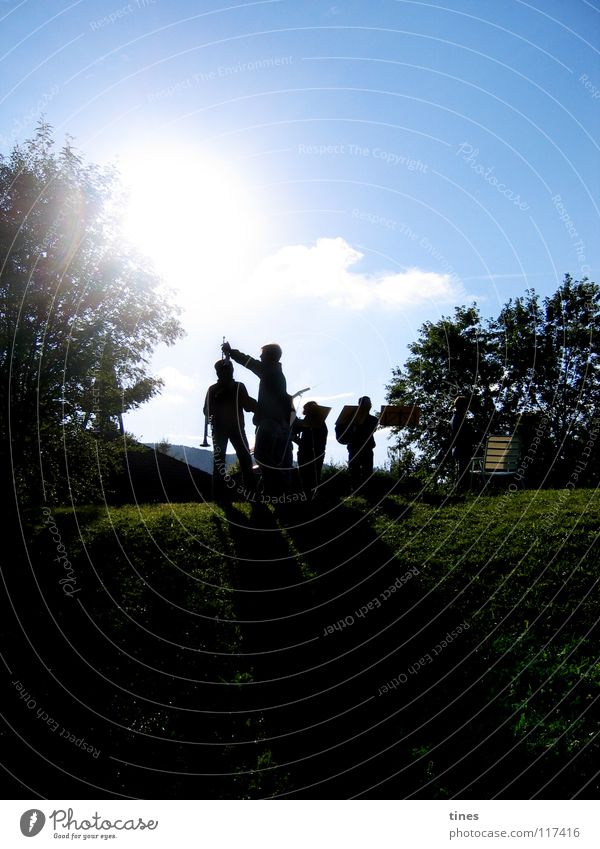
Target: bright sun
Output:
[(193, 216)]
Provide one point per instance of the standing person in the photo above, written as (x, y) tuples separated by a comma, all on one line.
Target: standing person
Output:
[(463, 439), (224, 407), (311, 435), (272, 446), (358, 436)]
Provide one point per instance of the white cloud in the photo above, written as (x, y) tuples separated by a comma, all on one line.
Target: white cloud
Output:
[(176, 381), (172, 400), (179, 389), (324, 271)]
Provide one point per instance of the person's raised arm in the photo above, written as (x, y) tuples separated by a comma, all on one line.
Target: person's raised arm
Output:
[(245, 360)]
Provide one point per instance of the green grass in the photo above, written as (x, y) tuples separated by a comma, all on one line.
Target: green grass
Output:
[(175, 557), (520, 568)]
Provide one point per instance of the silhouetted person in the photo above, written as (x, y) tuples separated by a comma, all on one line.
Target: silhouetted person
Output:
[(224, 406), (463, 439), (358, 436), (311, 435), (272, 446)]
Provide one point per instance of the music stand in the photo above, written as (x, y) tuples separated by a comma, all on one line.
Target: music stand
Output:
[(399, 415)]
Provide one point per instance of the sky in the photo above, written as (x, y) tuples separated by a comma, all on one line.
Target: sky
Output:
[(326, 175)]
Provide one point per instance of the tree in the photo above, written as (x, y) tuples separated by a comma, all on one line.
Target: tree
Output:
[(551, 375), (81, 310), (450, 357), (533, 369)]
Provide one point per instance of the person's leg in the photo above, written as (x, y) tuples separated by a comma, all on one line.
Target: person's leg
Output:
[(273, 452), (288, 457), (314, 477), (240, 446), (264, 454), (353, 467), (360, 471), (462, 472), (319, 468), (286, 463), (308, 473), (367, 463), (219, 439)]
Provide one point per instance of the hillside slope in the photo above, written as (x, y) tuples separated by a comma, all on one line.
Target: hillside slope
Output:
[(384, 648)]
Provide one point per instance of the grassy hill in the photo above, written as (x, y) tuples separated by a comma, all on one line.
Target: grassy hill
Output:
[(375, 646)]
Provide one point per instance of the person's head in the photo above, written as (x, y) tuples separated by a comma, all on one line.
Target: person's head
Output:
[(270, 353), (309, 411), (224, 369), (364, 403), (461, 403)]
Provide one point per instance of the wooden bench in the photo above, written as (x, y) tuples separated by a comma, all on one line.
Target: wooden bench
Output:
[(500, 458)]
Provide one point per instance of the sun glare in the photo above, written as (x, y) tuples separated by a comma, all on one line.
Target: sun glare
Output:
[(193, 216)]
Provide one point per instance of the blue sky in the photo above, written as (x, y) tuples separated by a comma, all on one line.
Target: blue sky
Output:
[(330, 175)]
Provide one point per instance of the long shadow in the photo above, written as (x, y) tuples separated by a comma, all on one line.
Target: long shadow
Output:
[(363, 609), (360, 691), (269, 588), (313, 603)]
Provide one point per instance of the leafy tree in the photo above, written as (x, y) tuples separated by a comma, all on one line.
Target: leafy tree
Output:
[(551, 372), (534, 368), (450, 357), (81, 310)]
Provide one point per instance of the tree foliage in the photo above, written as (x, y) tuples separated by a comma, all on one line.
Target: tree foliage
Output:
[(81, 310), (534, 369)]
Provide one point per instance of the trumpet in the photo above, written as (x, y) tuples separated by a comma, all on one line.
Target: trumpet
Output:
[(204, 443)]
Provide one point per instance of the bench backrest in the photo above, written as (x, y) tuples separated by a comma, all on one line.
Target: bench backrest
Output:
[(502, 454)]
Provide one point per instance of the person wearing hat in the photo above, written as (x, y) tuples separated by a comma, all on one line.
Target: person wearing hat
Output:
[(272, 447), (224, 407), (311, 435)]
